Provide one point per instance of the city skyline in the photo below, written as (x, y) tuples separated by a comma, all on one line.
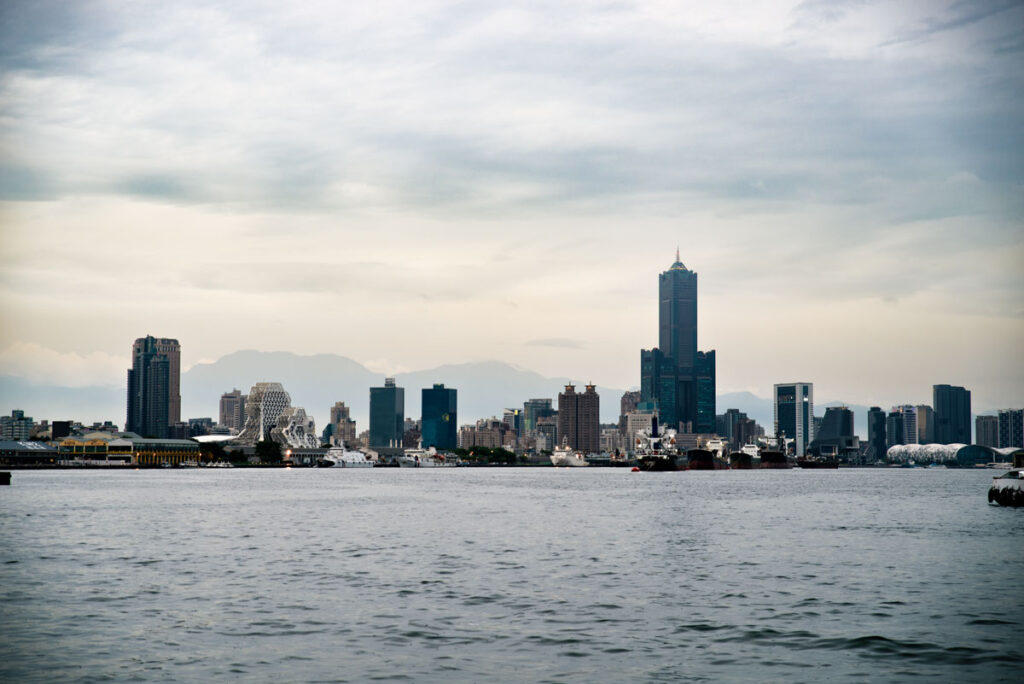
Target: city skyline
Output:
[(842, 178)]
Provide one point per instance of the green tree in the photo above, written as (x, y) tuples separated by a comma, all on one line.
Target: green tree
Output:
[(268, 451), (212, 451)]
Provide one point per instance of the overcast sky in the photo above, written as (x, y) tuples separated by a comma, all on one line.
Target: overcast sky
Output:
[(412, 184)]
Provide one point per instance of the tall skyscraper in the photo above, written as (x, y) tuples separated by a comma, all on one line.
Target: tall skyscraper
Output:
[(579, 419), (387, 415), (439, 422), (894, 429), (877, 445), (675, 374), (986, 431), (534, 410), (232, 409), (925, 424), (1011, 428), (909, 414), (705, 374), (794, 414), (154, 386), (952, 414)]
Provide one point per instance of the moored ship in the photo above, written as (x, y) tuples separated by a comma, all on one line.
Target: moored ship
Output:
[(815, 463), (654, 452), (418, 457), (566, 456), (340, 457)]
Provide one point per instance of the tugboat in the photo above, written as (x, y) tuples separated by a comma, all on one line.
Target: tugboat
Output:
[(656, 453)]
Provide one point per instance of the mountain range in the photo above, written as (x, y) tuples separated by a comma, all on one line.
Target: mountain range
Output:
[(317, 382)]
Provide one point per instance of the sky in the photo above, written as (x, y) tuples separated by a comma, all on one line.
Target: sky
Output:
[(415, 184)]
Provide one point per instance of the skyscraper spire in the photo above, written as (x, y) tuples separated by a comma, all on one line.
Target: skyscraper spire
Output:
[(678, 265)]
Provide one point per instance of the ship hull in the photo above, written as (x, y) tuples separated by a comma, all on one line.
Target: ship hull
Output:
[(659, 463)]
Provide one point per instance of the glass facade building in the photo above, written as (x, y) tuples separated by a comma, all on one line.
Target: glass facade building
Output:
[(387, 415), (675, 375), (952, 407), (794, 414), (877, 445), (154, 395), (439, 422)]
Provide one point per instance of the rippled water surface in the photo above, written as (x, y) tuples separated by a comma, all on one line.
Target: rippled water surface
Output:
[(508, 575)]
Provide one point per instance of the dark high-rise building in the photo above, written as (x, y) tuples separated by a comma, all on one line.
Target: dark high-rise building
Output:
[(154, 387), (952, 407), (894, 429), (439, 424), (677, 316), (925, 424), (705, 374), (835, 438), (579, 419), (533, 410), (794, 414), (1011, 428), (736, 428), (986, 431), (589, 428), (877, 445), (387, 415), (675, 375)]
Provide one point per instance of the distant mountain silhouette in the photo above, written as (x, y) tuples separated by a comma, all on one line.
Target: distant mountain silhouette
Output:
[(316, 382), (50, 402)]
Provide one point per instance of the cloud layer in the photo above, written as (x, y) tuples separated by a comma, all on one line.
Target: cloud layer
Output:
[(462, 181)]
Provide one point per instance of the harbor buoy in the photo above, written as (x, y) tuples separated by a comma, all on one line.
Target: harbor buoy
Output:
[(635, 470)]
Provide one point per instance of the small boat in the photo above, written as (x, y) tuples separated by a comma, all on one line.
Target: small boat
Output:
[(1008, 489)]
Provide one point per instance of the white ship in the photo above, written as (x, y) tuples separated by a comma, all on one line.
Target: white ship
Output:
[(419, 457), (341, 457), (564, 455)]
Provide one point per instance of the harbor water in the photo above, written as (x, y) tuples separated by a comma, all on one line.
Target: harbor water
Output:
[(508, 574)]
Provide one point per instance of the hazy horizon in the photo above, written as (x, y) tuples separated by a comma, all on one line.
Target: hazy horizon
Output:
[(447, 183)]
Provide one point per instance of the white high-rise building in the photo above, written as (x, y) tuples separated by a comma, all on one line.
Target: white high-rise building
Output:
[(910, 435)]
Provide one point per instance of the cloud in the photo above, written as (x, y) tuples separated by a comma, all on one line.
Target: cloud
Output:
[(65, 369), (562, 342), (353, 172)]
